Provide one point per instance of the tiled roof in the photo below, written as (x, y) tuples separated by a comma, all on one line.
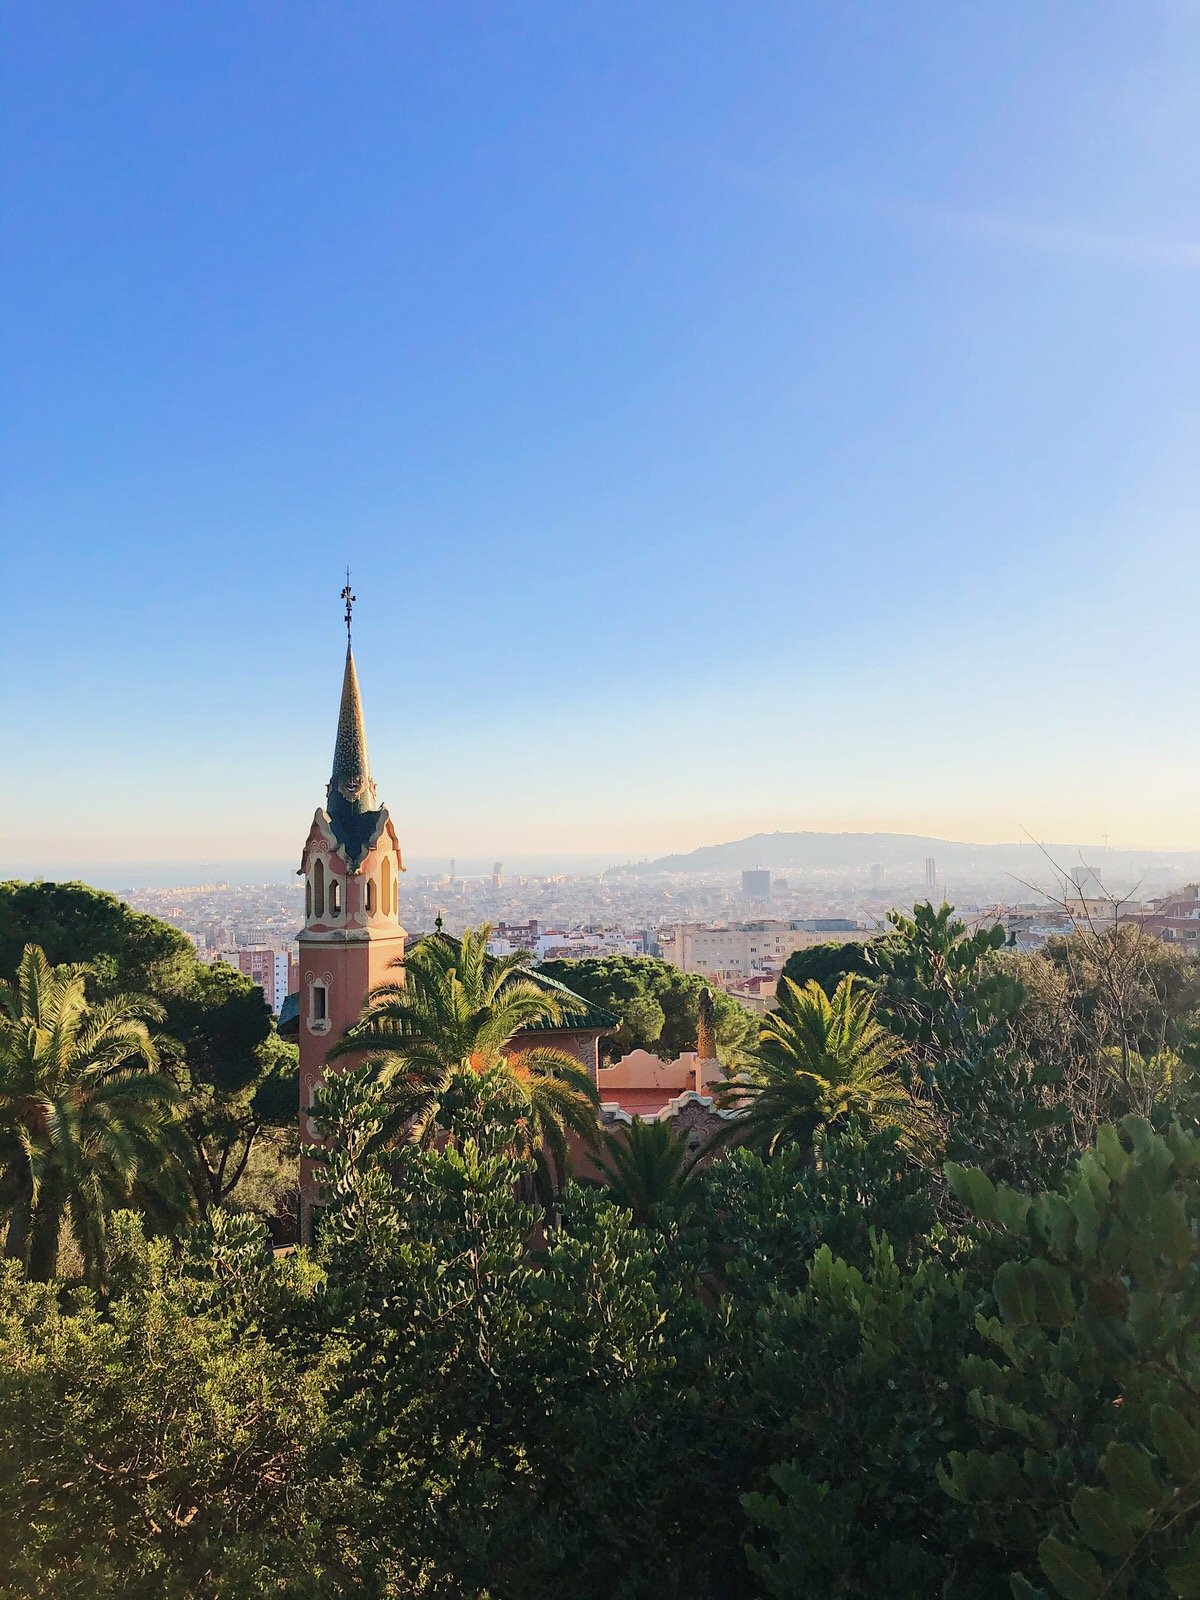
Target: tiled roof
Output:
[(288, 1021)]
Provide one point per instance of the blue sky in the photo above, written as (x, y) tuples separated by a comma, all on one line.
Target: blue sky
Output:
[(735, 417)]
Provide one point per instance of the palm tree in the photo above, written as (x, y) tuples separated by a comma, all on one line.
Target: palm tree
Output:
[(87, 1123), (447, 1025), (647, 1167), (820, 1063)]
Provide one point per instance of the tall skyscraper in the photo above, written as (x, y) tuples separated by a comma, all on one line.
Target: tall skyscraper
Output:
[(498, 875), (756, 884), (877, 875), (930, 874)]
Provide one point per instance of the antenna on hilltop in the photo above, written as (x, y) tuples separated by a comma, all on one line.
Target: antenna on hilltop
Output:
[(349, 597)]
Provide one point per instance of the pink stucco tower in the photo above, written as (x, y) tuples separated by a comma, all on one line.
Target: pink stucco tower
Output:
[(351, 867)]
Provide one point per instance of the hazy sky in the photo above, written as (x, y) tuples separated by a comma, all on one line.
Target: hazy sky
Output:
[(735, 416)]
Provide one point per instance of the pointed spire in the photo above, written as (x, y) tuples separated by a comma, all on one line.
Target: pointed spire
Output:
[(351, 775), (355, 814), (706, 1033)]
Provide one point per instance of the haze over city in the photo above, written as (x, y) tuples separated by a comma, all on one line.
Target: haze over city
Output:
[(711, 412)]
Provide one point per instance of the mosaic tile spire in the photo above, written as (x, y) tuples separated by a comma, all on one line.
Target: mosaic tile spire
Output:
[(706, 1033), (351, 776)]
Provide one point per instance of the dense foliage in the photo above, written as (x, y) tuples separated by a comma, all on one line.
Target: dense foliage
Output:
[(237, 1081), (849, 1362), (87, 1121), (448, 1042), (658, 1005), (827, 964)]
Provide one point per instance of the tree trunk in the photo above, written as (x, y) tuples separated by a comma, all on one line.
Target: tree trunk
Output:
[(44, 1229), (16, 1244), (223, 1188)]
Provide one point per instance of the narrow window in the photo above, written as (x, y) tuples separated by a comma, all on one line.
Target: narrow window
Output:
[(335, 897), (319, 888), (308, 899), (385, 885), (370, 897), (319, 1006)]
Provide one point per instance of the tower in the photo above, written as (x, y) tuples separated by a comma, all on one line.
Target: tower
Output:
[(708, 1068), (352, 934)]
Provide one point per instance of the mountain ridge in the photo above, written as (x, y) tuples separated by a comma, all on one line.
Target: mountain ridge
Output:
[(812, 850)]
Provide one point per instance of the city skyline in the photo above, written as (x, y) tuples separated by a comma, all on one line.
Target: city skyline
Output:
[(729, 429)]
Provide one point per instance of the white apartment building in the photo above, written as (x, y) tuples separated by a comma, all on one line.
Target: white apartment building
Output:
[(743, 949)]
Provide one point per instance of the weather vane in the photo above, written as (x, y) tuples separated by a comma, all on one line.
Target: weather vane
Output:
[(349, 597)]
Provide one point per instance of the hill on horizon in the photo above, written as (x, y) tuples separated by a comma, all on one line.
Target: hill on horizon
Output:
[(811, 851)]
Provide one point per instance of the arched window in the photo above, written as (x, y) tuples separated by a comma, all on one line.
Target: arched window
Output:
[(385, 885), (335, 896), (370, 897), (318, 885)]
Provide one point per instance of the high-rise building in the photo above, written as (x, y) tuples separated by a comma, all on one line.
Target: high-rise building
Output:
[(352, 934), (930, 874), (268, 968), (756, 884), (877, 875), (498, 875)]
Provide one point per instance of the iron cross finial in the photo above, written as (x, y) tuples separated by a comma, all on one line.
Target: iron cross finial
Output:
[(349, 597)]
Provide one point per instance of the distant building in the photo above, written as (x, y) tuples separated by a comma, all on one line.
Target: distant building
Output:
[(756, 884), (557, 944), (1174, 918), (1094, 910), (931, 874), (1090, 905), (510, 936), (727, 952), (1028, 928), (269, 969), (877, 875), (498, 875), (757, 994)]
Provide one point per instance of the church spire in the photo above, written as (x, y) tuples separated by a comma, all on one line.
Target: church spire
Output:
[(354, 812), (351, 775)]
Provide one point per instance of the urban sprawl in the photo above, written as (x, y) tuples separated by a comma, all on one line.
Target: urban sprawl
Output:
[(737, 930)]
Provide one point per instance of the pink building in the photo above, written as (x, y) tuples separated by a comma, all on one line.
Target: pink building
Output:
[(270, 970), (351, 865), (352, 938)]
